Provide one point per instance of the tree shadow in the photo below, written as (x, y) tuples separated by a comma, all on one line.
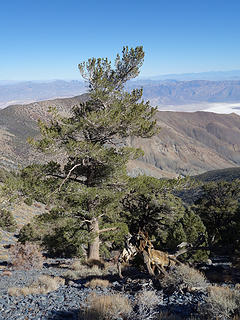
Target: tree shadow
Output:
[(72, 314)]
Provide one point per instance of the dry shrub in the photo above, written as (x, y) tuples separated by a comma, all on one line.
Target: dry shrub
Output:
[(82, 271), (106, 307), (72, 275), (98, 283), (183, 276), (26, 256), (147, 301), (42, 285), (76, 266), (221, 303)]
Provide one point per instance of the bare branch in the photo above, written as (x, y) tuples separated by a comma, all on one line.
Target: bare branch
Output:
[(68, 175), (108, 229)]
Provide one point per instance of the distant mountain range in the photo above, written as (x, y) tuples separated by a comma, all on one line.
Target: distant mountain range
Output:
[(12, 92), (189, 142), (210, 75), (162, 93)]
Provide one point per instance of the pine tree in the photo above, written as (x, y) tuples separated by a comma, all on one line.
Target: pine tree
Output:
[(218, 208), (88, 174)]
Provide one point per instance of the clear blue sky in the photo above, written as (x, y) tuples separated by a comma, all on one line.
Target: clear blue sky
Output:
[(46, 39)]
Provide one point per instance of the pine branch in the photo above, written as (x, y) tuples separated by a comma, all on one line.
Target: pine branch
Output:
[(108, 229)]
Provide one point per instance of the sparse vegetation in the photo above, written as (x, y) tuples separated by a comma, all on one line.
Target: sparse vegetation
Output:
[(183, 276), (98, 283), (26, 256), (221, 303), (42, 285), (106, 307), (83, 271), (147, 301)]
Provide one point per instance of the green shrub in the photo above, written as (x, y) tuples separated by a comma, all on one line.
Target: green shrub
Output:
[(188, 229), (28, 201), (60, 236), (7, 221), (28, 232)]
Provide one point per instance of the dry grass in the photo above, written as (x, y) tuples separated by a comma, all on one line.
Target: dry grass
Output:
[(82, 271), (221, 303), (183, 276), (72, 275), (76, 266), (26, 256), (42, 285), (147, 300), (94, 283), (106, 307)]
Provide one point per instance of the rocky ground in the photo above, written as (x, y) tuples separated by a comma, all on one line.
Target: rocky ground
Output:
[(68, 299)]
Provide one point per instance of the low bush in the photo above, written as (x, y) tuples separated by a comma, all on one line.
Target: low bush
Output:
[(221, 303), (26, 256), (84, 271), (106, 307), (7, 221), (94, 283), (42, 285), (76, 265), (183, 276), (147, 301)]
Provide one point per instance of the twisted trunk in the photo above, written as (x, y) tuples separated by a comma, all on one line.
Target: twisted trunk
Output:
[(93, 246)]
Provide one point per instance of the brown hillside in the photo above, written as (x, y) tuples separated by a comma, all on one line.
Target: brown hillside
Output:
[(188, 143)]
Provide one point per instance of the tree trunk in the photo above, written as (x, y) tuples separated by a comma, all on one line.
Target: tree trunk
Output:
[(93, 247)]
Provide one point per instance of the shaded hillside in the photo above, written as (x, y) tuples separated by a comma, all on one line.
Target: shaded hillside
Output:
[(188, 143), (228, 174)]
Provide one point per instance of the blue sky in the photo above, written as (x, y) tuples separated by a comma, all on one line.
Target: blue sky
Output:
[(46, 39)]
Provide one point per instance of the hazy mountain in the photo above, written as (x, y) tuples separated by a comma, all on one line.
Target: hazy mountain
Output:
[(210, 75), (159, 92), (164, 93), (29, 91), (188, 143)]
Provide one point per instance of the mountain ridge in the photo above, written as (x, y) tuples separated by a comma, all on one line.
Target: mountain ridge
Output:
[(188, 143), (158, 92)]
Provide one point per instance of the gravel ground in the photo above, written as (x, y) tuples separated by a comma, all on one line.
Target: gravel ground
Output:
[(65, 302)]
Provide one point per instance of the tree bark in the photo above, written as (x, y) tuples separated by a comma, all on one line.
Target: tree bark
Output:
[(93, 246)]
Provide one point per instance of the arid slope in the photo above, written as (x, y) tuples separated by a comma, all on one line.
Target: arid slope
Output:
[(188, 143)]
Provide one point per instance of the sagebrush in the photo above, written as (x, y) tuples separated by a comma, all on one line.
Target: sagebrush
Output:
[(26, 256)]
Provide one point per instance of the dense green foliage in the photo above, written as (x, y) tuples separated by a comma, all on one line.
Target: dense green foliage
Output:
[(7, 221), (86, 177), (150, 205), (219, 210)]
